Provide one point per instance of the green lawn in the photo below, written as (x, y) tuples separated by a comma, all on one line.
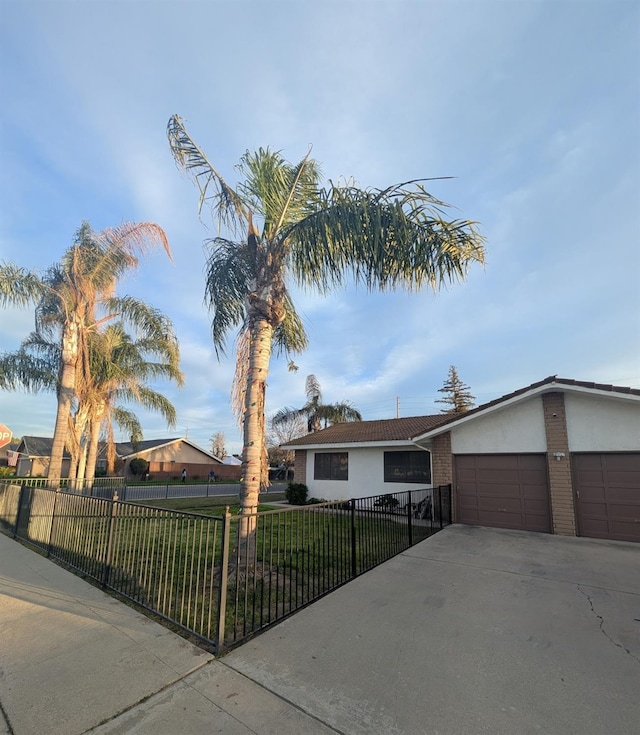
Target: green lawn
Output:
[(211, 506)]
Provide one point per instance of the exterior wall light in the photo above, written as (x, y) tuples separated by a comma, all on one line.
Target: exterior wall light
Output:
[(558, 455)]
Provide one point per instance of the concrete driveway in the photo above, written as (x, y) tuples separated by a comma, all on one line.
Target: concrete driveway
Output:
[(475, 630)]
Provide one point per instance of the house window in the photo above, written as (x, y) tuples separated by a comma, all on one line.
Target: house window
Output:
[(331, 466), (407, 467)]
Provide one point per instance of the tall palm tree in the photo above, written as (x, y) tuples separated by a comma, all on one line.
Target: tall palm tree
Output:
[(76, 295), (284, 227), (315, 411), (119, 366)]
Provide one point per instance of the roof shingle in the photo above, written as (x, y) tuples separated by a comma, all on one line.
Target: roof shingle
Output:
[(371, 431)]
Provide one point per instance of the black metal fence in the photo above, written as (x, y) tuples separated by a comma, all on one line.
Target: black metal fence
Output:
[(204, 573)]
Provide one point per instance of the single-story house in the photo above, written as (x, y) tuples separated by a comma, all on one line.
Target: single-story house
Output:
[(34, 455), (168, 457), (558, 456)]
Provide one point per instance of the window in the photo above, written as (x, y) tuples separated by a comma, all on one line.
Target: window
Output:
[(407, 467), (331, 466)]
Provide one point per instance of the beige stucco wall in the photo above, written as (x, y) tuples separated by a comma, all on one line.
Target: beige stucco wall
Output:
[(176, 452), (597, 424), (517, 428)]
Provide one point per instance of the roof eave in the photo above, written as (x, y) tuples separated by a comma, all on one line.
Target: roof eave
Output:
[(499, 405), (353, 445)]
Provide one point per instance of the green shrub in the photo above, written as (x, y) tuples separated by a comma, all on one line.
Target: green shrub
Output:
[(138, 467), (296, 493), (7, 471), (315, 501)]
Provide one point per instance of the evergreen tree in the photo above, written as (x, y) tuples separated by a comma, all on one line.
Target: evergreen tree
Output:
[(457, 398)]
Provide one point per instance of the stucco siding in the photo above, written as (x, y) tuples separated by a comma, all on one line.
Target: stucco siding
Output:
[(518, 428), (178, 452), (602, 425), (366, 475)]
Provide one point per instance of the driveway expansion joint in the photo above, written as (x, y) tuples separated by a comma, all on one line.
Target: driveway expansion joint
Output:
[(146, 698), (290, 702)]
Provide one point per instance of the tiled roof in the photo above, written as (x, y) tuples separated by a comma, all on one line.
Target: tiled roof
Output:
[(371, 431), (414, 426)]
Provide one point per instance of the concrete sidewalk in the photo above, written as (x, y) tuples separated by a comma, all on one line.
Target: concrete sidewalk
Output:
[(472, 631), (72, 657)]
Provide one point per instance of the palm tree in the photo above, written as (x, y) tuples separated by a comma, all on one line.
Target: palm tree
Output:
[(119, 367), (284, 228), (69, 296), (315, 411)]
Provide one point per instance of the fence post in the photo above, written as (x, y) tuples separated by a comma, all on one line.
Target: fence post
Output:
[(166, 491), (109, 552), (224, 573), (354, 566), (53, 520), (23, 486), (409, 514)]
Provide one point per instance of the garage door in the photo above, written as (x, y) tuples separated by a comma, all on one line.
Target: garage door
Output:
[(608, 495), (503, 491)]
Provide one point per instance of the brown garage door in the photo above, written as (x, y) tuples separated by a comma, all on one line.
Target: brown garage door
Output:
[(608, 495), (503, 490)]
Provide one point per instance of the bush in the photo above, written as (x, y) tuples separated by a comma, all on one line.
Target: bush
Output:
[(7, 471), (138, 467), (296, 493), (315, 501)]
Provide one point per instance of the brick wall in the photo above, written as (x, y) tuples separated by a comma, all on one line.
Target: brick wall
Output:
[(300, 466), (441, 459), (560, 481)]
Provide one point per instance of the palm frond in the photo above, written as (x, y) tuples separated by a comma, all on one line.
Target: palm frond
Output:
[(225, 204), (239, 383), (228, 273), (396, 238), (22, 371), (19, 286), (313, 390), (287, 414), (127, 421), (290, 336), (280, 192)]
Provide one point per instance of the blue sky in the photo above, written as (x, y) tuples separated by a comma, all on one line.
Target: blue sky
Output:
[(533, 107)]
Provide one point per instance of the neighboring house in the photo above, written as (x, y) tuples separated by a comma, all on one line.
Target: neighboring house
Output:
[(9, 454), (34, 455), (558, 456), (363, 458), (168, 457)]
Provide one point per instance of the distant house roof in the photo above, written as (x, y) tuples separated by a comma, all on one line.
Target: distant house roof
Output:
[(383, 430), (126, 450), (37, 446)]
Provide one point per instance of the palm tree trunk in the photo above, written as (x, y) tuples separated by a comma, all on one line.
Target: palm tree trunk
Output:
[(94, 438), (65, 398), (260, 335)]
